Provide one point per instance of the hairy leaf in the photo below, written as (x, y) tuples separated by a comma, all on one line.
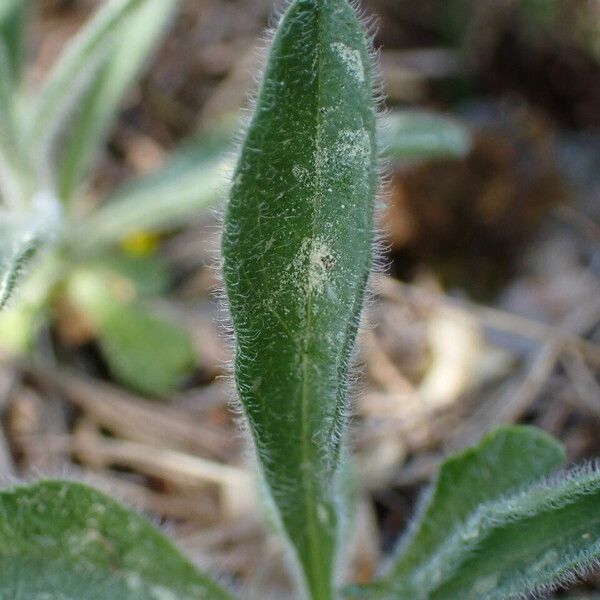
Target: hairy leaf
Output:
[(6, 94), (133, 42), (18, 245), (297, 249), (504, 462), (63, 540), (418, 134), (498, 539), (146, 352), (526, 542)]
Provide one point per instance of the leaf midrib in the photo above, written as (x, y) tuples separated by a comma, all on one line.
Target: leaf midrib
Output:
[(307, 483)]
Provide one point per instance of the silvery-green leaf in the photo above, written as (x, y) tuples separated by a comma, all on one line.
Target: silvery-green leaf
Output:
[(419, 134), (12, 26), (495, 528), (190, 182), (135, 37), (20, 239), (61, 540), (70, 79)]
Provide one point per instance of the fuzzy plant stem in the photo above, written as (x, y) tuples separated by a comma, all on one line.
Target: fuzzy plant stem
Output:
[(297, 253)]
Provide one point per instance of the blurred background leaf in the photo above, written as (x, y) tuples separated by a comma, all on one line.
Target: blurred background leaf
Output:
[(12, 29), (134, 40), (190, 183), (414, 135), (146, 352)]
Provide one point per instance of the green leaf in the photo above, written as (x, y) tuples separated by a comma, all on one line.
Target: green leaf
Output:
[(133, 43), (65, 541), (12, 26), (18, 245), (6, 94), (491, 531), (74, 73), (543, 12), (504, 462), (148, 353), (151, 355), (417, 134), (297, 249), (148, 274), (191, 181), (14, 171), (525, 543)]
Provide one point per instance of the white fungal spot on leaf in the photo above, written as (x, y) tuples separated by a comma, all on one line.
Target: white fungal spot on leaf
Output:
[(300, 173), (352, 59), (320, 260), (353, 146)]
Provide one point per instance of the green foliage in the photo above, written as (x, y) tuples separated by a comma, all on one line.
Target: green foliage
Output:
[(134, 39), (494, 528), (542, 11), (13, 169), (297, 249), (48, 142), (62, 540), (148, 353), (17, 247), (147, 274), (418, 134), (12, 25), (504, 462), (190, 182), (70, 79)]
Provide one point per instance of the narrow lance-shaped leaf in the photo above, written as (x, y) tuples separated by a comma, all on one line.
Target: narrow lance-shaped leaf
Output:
[(65, 540), (14, 180), (72, 76), (133, 42), (297, 249), (18, 245), (523, 543), (190, 181), (12, 26), (419, 134)]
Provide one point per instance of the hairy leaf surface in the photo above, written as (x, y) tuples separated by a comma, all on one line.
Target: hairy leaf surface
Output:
[(190, 181), (66, 541), (491, 530), (297, 250), (18, 245)]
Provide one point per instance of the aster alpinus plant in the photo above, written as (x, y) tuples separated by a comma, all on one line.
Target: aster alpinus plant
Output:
[(497, 522)]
